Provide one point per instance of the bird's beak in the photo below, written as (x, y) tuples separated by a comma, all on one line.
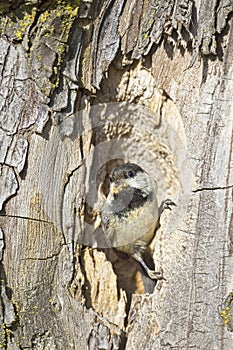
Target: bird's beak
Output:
[(117, 186)]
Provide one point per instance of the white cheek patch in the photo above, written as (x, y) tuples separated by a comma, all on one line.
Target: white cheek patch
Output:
[(142, 182)]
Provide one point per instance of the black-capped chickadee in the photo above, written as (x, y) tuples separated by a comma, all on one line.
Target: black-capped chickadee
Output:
[(130, 213)]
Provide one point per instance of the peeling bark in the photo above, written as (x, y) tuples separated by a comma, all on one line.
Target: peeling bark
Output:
[(86, 85)]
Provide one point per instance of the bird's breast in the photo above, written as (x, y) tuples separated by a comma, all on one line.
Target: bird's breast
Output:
[(130, 224)]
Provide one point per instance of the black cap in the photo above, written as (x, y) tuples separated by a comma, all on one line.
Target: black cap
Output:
[(125, 171)]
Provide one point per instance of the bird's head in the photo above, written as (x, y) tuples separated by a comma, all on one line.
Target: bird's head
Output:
[(130, 176)]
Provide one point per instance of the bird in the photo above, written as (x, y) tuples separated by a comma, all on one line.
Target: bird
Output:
[(130, 213)]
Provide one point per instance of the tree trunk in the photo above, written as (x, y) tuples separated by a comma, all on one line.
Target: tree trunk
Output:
[(86, 85)]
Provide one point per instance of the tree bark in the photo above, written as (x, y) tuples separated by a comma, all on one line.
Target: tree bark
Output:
[(86, 85)]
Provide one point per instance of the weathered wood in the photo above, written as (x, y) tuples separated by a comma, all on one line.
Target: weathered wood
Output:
[(87, 84)]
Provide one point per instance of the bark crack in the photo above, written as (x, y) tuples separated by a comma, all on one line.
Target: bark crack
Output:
[(214, 188), (26, 218), (50, 257)]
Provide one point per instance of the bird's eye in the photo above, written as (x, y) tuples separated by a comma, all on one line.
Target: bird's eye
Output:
[(130, 173), (110, 178)]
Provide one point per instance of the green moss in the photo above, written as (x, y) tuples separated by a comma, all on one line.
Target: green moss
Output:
[(51, 24), (22, 18), (227, 312), (57, 22), (4, 335), (16, 23)]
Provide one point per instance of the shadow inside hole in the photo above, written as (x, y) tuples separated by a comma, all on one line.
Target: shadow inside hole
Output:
[(130, 276), (86, 288)]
